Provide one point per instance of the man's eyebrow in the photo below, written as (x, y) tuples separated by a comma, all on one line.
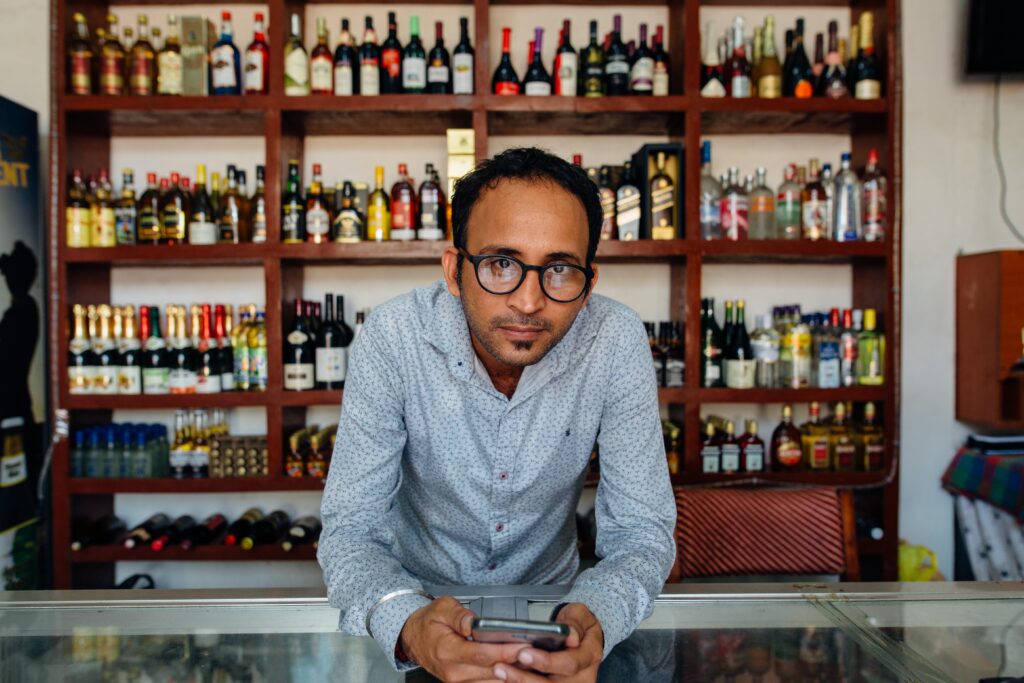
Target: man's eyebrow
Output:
[(562, 256), (510, 251)]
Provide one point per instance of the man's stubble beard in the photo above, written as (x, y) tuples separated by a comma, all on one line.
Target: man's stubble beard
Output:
[(481, 335)]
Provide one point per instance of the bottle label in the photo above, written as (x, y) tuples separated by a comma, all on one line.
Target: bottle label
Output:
[(222, 67), (674, 370), (318, 223), (331, 364), (343, 79), (540, 88), (713, 88), (348, 226), (617, 66), (80, 379), (607, 213), (180, 461), (227, 380), (291, 224), (78, 226), (369, 77), (104, 233), (788, 215), (873, 456), (253, 72), (804, 89), (567, 73), (867, 89), (297, 337), (662, 200), (106, 379), (462, 74), (241, 363), (298, 376), (846, 456), (13, 469), (321, 71), (207, 382), (174, 224), (765, 349), (414, 73), (730, 457), (506, 88), (391, 61), (739, 374), (874, 211), (156, 380), (641, 78), (593, 83), (740, 86), (182, 381), (202, 232), (259, 223), (627, 213), (769, 87), (814, 227), (438, 74), (817, 453), (710, 217), (111, 75), (762, 203), (124, 224), (149, 226), (401, 217), (258, 368), (753, 457), (294, 467), (228, 228), (296, 74), (81, 74), (169, 73), (734, 217), (828, 365), (141, 82), (710, 459), (129, 379), (788, 453), (660, 88)]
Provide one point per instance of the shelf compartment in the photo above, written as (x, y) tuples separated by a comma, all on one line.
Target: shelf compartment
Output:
[(319, 397), (802, 478), (557, 115), (92, 486), (165, 255), (791, 251), (205, 553), (366, 253), (724, 116), (381, 115), (857, 394), (227, 399), (134, 115)]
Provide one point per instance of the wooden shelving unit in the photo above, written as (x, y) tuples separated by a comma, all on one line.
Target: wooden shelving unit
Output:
[(81, 132)]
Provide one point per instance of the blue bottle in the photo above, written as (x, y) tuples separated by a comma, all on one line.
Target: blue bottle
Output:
[(78, 454), (225, 62)]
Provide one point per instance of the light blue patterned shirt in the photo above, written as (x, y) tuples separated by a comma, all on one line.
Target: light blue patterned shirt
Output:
[(438, 478)]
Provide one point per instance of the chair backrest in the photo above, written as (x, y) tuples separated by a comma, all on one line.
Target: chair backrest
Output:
[(765, 531)]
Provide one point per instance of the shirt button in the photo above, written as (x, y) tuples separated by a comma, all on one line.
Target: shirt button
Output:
[(500, 526), (492, 565), (503, 476)]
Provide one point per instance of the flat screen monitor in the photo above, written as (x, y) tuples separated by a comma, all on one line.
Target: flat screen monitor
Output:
[(993, 37)]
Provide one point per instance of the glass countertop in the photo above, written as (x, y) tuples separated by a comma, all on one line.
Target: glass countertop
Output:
[(749, 633)]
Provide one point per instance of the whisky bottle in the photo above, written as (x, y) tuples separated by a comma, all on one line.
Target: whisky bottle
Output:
[(103, 225), (148, 212), (293, 210), (872, 441), (710, 451), (345, 60), (816, 441), (752, 450), (378, 215), (606, 191), (78, 213), (170, 65), (627, 206), (414, 60), (663, 203), (348, 222), (256, 75), (82, 359), (432, 218), (318, 217), (321, 62), (842, 441), (787, 453), (126, 211), (403, 206), (258, 373), (870, 352), (112, 61), (79, 58), (142, 62), (148, 530), (730, 450), (296, 62), (155, 366), (174, 211), (202, 227), (463, 73), (129, 380), (230, 212), (241, 527)]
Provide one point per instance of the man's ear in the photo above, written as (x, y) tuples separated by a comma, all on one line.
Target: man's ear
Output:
[(450, 267)]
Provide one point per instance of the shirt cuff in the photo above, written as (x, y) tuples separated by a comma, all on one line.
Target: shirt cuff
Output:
[(604, 609), (387, 623)]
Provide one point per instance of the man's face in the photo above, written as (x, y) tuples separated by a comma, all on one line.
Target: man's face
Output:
[(538, 223)]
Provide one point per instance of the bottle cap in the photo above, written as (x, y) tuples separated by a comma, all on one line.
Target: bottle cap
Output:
[(870, 319)]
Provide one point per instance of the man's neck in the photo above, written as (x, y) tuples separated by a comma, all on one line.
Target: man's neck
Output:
[(504, 377)]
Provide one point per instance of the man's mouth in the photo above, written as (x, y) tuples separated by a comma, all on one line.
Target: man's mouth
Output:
[(521, 333)]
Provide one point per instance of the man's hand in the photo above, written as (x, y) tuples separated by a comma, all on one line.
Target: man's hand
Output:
[(434, 637), (578, 663)]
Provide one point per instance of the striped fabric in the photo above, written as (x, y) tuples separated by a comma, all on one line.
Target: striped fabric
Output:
[(739, 531)]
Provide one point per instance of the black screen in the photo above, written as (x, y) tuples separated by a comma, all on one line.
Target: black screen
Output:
[(993, 37)]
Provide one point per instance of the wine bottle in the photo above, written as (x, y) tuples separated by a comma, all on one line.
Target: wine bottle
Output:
[(266, 530), (129, 380), (616, 67), (740, 366), (800, 75), (566, 65), (769, 82), (102, 531), (439, 72), (202, 227), (866, 74), (403, 206), (299, 354), (738, 83), (463, 72), (225, 62), (711, 347), (752, 449), (108, 360), (258, 209), (345, 82), (332, 346), (641, 75), (414, 61), (256, 77), (537, 81), (378, 213), (205, 533), (182, 356), (242, 526), (222, 341), (303, 530), (321, 62), (369, 62), (505, 80), (296, 62), (592, 66), (81, 358), (833, 78), (293, 210), (712, 76), (391, 60), (431, 207), (148, 530), (662, 66), (174, 533)]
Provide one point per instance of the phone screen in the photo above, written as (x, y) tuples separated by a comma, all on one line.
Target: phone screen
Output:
[(543, 635)]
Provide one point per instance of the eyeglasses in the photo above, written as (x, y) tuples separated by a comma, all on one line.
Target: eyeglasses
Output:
[(501, 274)]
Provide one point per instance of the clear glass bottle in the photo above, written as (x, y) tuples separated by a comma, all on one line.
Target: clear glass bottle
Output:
[(764, 343), (874, 193), (846, 204), (870, 352), (827, 353), (710, 197), (814, 206), (795, 352), (735, 208), (788, 206), (762, 209)]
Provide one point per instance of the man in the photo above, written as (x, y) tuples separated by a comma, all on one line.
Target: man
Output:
[(471, 409)]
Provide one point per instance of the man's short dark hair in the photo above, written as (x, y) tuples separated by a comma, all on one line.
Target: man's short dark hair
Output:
[(529, 164)]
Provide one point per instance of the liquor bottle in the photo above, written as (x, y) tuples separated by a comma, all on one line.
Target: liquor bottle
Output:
[(144, 533), (740, 364), (176, 532), (641, 74), (787, 453), (592, 66), (348, 222), (378, 214), (762, 209), (205, 533), (712, 345), (302, 531), (828, 182), (360, 319), (79, 58), (225, 62), (142, 62), (439, 72), (752, 450), (296, 62), (258, 210), (813, 203), (103, 531), (566, 67), (403, 206), (851, 56), (832, 82), (321, 62), (764, 344), (663, 202), (848, 351), (866, 74), (240, 349), (256, 77), (155, 369), (174, 211), (318, 217), (82, 359), (710, 197), (842, 441), (169, 62), (658, 344), (299, 354), (242, 526), (616, 66), (258, 373), (799, 76), (108, 361), (462, 62), (870, 352), (505, 80), (769, 70), (662, 66), (215, 191), (710, 451), (345, 60), (627, 206), (606, 192), (414, 61), (229, 211), (818, 65), (208, 373), (129, 379), (293, 210), (112, 61), (788, 207), (332, 346), (148, 213), (739, 69), (827, 353), (712, 77), (537, 81), (874, 192), (730, 453), (431, 207), (369, 62), (183, 361), (872, 440), (222, 344), (735, 208), (102, 229), (675, 362), (266, 530), (202, 228), (126, 211), (391, 59), (815, 440), (846, 212)]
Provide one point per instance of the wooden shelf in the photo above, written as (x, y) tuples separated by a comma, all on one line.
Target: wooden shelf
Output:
[(826, 478), (857, 394), (89, 486), (133, 115), (226, 399), (318, 397), (725, 116), (204, 553), (791, 251), (171, 255), (366, 253)]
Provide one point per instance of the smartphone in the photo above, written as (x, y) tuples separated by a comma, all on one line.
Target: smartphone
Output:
[(543, 635)]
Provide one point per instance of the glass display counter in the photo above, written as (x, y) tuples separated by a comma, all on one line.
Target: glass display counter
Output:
[(858, 633)]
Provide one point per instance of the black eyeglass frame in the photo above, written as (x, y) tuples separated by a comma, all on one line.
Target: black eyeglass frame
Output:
[(587, 271)]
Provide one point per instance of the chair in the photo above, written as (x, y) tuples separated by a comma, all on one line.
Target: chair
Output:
[(746, 534)]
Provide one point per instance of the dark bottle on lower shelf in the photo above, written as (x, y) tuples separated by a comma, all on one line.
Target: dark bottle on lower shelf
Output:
[(303, 530), (148, 530), (205, 533), (267, 530), (102, 531), (174, 533), (242, 526)]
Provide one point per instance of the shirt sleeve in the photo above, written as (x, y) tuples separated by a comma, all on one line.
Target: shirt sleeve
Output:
[(635, 507), (358, 503)]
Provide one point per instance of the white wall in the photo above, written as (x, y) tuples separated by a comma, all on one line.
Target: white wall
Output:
[(950, 204)]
